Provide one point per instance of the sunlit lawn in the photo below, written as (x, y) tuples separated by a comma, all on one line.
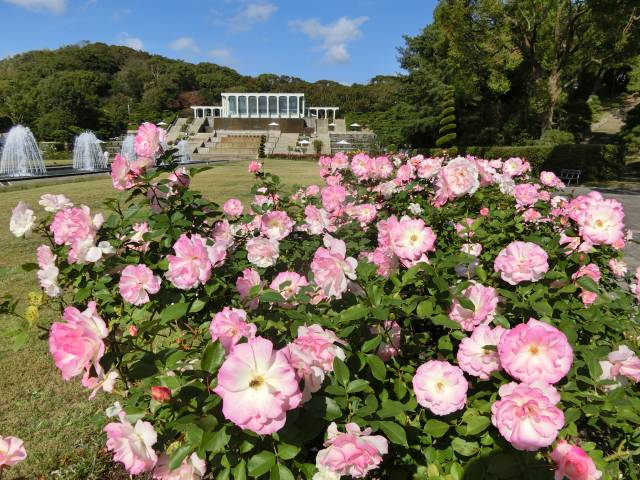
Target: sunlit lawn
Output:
[(52, 416)]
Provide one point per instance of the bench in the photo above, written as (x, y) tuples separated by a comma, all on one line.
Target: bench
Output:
[(568, 175)]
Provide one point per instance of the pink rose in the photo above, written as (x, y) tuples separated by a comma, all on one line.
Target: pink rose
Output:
[(191, 468), (190, 266), (178, 180), (132, 446), (276, 225), (618, 267), (573, 463), (12, 451), (48, 272), (622, 362), (229, 326), (317, 220), (73, 224), (77, 344), (521, 262), (333, 198), (600, 221), (244, 283), (257, 386), (460, 176), (411, 239), (232, 208), (53, 203), (526, 194), (254, 167), (263, 252), (331, 268), (148, 140), (311, 354), (527, 419), (474, 358), (440, 387), (545, 389), (353, 453), (361, 166), (485, 301), (137, 282), (122, 177), (535, 351), (549, 179), (429, 167), (288, 284), (515, 166)]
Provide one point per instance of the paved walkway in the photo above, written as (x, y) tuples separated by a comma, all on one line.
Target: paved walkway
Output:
[(630, 198)]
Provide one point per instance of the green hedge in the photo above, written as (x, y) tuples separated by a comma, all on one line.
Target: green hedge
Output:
[(597, 162)]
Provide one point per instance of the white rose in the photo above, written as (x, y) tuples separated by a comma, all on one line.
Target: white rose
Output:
[(22, 220)]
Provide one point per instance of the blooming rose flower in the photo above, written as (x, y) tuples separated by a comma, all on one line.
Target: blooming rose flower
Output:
[(593, 272), (333, 198), (84, 250), (132, 446), (527, 419), (12, 451), (484, 299), (294, 283), (521, 262), (472, 249), (229, 326), (77, 344), (263, 252), (311, 354), (361, 166), (276, 225), (100, 382), (526, 194), (48, 272), (549, 179), (244, 283), (573, 463), (137, 282), (622, 362), (411, 239), (429, 167), (232, 208), (22, 220), (440, 387), (331, 268), (148, 140), (354, 453), (384, 259), (191, 468), (460, 176), (391, 331), (160, 394), (474, 358), (257, 386), (74, 224), (53, 203), (535, 351), (515, 166), (317, 220), (545, 389), (254, 167), (600, 220), (122, 176), (618, 267), (190, 266)]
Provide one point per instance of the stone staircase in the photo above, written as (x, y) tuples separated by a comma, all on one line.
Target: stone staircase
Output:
[(213, 146), (356, 141), (176, 130), (197, 125), (285, 141)]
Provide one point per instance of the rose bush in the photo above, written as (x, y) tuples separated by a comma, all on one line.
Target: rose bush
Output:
[(412, 318)]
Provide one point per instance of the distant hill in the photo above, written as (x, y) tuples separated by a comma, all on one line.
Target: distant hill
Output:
[(105, 88)]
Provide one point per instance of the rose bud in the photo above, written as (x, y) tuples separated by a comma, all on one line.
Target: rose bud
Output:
[(161, 394)]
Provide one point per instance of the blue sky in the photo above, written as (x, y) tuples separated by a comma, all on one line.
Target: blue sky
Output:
[(347, 41)]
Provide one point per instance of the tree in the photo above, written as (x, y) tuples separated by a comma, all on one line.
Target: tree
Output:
[(447, 129)]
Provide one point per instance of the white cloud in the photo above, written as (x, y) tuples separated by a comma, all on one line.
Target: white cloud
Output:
[(131, 42), (120, 14), (220, 54), (251, 14), (54, 6), (184, 43), (335, 36)]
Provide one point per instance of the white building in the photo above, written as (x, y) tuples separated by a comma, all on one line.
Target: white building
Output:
[(263, 105)]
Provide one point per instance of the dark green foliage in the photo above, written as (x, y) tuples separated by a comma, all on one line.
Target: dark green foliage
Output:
[(261, 152), (448, 121), (597, 162)]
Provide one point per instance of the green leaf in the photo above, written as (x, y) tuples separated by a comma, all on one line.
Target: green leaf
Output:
[(357, 385), (377, 366), (436, 428), (212, 357), (173, 312), (588, 284), (445, 321), (371, 344), (425, 308), (215, 441), (394, 432), (477, 424), (286, 451), (543, 308), (270, 296), (240, 472), (179, 455), (390, 408), (261, 463), (355, 312), (29, 267), (464, 448), (466, 303), (283, 472), (197, 305), (341, 371)]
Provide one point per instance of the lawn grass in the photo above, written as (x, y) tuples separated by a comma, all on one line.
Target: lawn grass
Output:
[(52, 416)]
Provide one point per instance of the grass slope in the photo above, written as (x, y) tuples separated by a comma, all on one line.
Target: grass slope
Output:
[(60, 427)]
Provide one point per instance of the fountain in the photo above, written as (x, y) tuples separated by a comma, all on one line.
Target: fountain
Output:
[(87, 153), (183, 154), (21, 156), (128, 148)]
